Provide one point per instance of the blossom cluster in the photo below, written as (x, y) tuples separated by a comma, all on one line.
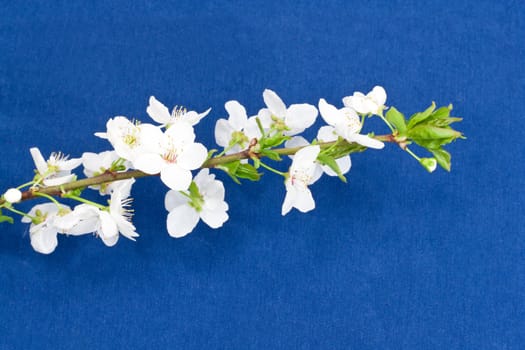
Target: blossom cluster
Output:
[(167, 146)]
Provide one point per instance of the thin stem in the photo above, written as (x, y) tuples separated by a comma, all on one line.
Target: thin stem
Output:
[(412, 154), (272, 169), (86, 201), (44, 195), (387, 123), (25, 185), (21, 213)]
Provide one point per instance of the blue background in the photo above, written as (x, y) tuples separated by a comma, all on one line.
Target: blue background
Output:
[(396, 259)]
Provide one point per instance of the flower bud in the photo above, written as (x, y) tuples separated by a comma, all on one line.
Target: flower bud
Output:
[(428, 163), (13, 195)]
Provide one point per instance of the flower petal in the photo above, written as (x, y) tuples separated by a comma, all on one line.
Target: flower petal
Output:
[(344, 164), (192, 156), (182, 220), (44, 240), (378, 94), (181, 133), (237, 113), (223, 132), (304, 201), (274, 103), (289, 199), (40, 162), (149, 163), (157, 111), (329, 113), (300, 117), (214, 218), (364, 140), (174, 199), (175, 177)]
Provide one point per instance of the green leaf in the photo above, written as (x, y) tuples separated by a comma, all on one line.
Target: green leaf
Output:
[(397, 119), (429, 132), (421, 116), (329, 161), (442, 122), (442, 157), (442, 112)]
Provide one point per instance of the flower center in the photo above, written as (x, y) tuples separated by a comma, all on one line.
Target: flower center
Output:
[(300, 179)]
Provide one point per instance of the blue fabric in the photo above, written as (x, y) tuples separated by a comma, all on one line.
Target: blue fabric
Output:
[(395, 259)]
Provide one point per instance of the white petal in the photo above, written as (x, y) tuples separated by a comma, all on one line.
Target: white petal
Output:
[(327, 134), (223, 132), (289, 199), (378, 94), (316, 173), (329, 113), (59, 180), (149, 163), (237, 113), (108, 230), (366, 141), (175, 177), (91, 162), (274, 103), (157, 111), (192, 156), (296, 141), (304, 201), (70, 164), (214, 218), (174, 199), (181, 133), (307, 155), (44, 240), (40, 162), (301, 116), (182, 220)]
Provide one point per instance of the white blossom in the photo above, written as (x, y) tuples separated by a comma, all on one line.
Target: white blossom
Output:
[(325, 134), (128, 139), (160, 113), (346, 124), (173, 154), (297, 117), (98, 163), (43, 234), (13, 195), (57, 169), (302, 173), (107, 224), (236, 132), (371, 103), (208, 205)]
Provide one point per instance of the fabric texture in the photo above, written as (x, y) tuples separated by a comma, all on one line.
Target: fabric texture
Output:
[(395, 259)]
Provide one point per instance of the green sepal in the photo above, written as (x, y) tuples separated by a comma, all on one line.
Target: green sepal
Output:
[(273, 141), (421, 116), (396, 118), (329, 161), (5, 218), (271, 154), (248, 171), (442, 157), (211, 152)]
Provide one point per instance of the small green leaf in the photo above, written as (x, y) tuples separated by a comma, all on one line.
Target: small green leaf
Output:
[(397, 119), (442, 157), (442, 112), (421, 116), (433, 137), (230, 169), (330, 162)]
